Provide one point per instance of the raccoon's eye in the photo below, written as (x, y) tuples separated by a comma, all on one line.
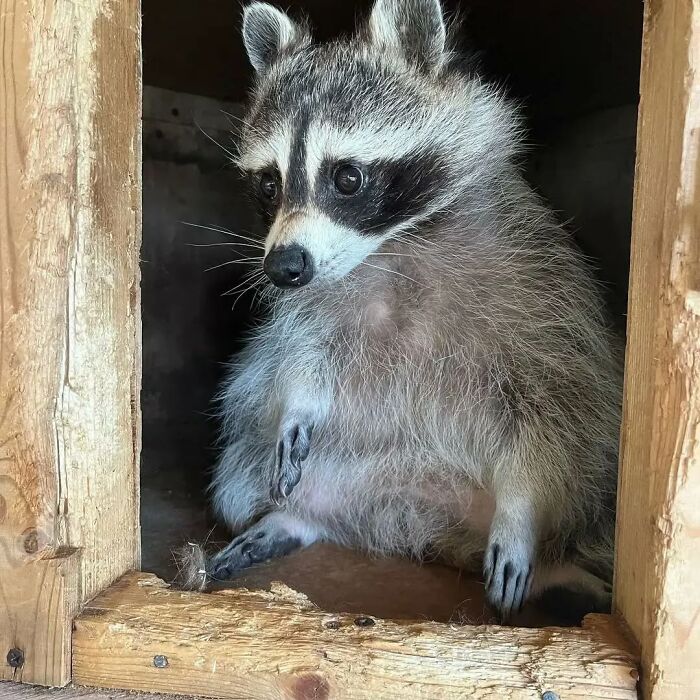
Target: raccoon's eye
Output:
[(268, 186), (348, 179)]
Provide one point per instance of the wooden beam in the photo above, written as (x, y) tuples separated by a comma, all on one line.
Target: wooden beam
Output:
[(69, 318), (141, 635), (658, 533)]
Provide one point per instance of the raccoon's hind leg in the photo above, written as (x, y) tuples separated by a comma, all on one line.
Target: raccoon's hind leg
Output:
[(275, 535), (570, 592), (566, 590), (573, 578), (509, 561)]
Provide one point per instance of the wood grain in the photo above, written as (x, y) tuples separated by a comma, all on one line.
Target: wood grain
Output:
[(658, 535), (14, 691), (69, 321), (256, 644)]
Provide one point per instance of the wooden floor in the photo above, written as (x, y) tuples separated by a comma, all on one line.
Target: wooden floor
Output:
[(335, 579), (339, 580)]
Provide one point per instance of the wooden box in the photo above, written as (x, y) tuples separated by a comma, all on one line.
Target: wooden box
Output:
[(70, 203)]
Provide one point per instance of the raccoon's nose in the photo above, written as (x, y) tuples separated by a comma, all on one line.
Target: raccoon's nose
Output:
[(289, 266)]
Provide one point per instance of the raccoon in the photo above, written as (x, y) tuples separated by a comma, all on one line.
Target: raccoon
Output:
[(436, 376)]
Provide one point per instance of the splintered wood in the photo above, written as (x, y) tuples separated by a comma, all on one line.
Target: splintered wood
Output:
[(252, 644), (658, 527), (69, 320)]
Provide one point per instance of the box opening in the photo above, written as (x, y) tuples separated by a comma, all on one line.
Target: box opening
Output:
[(575, 70)]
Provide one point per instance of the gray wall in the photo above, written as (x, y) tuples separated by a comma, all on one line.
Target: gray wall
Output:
[(189, 329), (586, 172)]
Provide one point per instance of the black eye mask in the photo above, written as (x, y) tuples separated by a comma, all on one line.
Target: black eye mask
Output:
[(392, 192)]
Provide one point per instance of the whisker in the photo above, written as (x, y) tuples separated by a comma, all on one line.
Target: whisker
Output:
[(255, 283), (246, 278), (243, 261), (233, 245), (393, 272), (213, 140), (234, 117), (218, 229), (236, 121), (401, 255)]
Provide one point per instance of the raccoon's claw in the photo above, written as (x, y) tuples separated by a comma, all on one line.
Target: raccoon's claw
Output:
[(254, 546), (508, 577), (292, 449)]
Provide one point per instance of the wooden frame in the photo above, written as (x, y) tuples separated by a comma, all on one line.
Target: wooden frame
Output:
[(69, 318), (69, 418), (658, 521)]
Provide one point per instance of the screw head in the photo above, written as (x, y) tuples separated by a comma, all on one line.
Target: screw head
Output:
[(15, 658), (160, 661), (364, 621)]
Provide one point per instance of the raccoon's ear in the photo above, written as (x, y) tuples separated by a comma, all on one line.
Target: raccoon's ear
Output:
[(414, 27), (267, 32)]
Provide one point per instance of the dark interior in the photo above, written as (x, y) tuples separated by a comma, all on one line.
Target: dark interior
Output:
[(574, 68)]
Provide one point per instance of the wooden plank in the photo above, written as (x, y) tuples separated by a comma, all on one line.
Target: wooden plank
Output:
[(14, 691), (141, 635), (69, 318), (39, 596), (658, 535)]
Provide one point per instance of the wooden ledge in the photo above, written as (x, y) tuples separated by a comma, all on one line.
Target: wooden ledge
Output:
[(141, 635)]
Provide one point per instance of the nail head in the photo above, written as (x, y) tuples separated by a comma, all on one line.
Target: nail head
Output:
[(364, 621), (160, 661), (549, 695), (332, 624), (15, 658)]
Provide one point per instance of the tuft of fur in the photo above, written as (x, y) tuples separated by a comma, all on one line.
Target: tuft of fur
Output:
[(191, 562), (451, 354)]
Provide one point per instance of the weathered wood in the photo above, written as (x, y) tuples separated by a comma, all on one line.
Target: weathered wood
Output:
[(658, 537), (15, 691), (69, 321), (254, 644)]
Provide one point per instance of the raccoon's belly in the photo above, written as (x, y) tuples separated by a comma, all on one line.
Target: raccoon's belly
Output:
[(354, 491), (468, 507), (476, 510)]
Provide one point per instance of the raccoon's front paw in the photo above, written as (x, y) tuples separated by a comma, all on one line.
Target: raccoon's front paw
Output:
[(254, 546), (292, 449), (508, 569)]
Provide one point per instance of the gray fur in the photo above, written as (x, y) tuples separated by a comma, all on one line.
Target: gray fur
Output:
[(455, 363)]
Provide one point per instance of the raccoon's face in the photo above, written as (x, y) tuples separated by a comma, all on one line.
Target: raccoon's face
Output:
[(349, 144)]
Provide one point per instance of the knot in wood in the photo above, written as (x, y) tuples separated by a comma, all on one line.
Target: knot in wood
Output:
[(31, 541)]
